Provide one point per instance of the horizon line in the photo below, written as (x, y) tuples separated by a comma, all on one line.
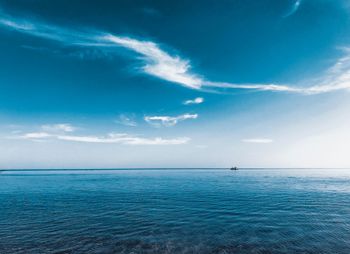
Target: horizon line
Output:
[(165, 168)]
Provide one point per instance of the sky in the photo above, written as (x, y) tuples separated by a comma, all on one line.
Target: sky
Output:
[(112, 84)]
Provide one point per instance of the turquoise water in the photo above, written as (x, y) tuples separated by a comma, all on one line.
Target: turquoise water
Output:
[(175, 211)]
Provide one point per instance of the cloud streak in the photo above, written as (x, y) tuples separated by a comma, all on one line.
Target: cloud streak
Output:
[(111, 138), (169, 120), (158, 62), (126, 139), (197, 100), (258, 140), (166, 66), (126, 120), (294, 9), (62, 127), (36, 135)]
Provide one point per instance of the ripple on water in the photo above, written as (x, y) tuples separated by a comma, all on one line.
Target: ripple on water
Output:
[(180, 211)]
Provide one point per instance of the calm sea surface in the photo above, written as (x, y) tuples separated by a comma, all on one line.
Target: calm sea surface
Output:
[(175, 211)]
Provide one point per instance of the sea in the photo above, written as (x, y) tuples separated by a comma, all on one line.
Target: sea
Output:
[(175, 211)]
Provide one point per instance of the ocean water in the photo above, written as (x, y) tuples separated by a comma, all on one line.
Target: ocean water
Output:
[(175, 211)]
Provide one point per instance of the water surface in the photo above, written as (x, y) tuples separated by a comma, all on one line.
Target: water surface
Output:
[(175, 211)]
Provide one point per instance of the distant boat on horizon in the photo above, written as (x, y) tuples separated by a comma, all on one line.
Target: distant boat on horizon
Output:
[(233, 168)]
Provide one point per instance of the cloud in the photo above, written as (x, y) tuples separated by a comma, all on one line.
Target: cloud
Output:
[(258, 87), (63, 127), (43, 30), (337, 77), (168, 120), (126, 139), (294, 9), (197, 100), (258, 140), (111, 138), (36, 135), (158, 62), (63, 132), (164, 65), (126, 121)]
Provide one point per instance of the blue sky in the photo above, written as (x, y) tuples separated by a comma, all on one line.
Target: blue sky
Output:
[(174, 83)]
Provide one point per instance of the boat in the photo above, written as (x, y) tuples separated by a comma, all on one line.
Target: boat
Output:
[(234, 168)]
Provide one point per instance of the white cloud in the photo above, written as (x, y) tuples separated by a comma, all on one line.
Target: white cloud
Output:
[(62, 127), (197, 100), (122, 138), (257, 87), (126, 139), (126, 120), (17, 25), (36, 135), (172, 68), (111, 138), (294, 8), (337, 77), (34, 28), (258, 140), (158, 62), (169, 120)]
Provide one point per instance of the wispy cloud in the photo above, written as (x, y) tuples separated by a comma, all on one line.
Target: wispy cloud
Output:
[(257, 140), (35, 135), (48, 131), (38, 29), (294, 9), (158, 62), (168, 120), (164, 65), (111, 138), (197, 100), (126, 139), (62, 127), (337, 77), (126, 120)]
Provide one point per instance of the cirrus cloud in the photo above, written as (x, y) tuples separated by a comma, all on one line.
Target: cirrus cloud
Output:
[(126, 120), (169, 120), (111, 138), (126, 139), (294, 8), (257, 140), (168, 66), (197, 100), (61, 127)]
